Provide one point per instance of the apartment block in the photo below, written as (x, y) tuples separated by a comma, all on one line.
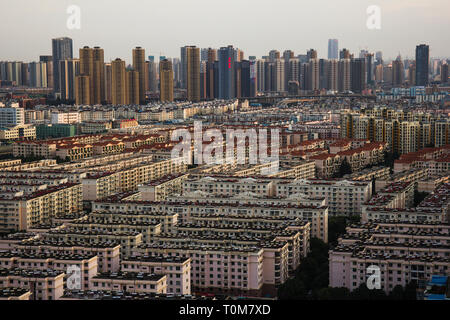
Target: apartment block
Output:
[(177, 270), (403, 252)]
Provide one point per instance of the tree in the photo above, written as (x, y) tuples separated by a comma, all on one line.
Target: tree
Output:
[(419, 197), (337, 226), (397, 293), (363, 293), (410, 292), (345, 168), (330, 293)]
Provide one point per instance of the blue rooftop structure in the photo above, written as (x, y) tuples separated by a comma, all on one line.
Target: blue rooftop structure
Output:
[(437, 288)]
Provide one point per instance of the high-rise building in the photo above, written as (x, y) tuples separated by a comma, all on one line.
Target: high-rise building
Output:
[(387, 74), (273, 55), (333, 48), (62, 49), (313, 82), (139, 66), (211, 55), (82, 90), (253, 77), (37, 74), (294, 71), (68, 70), (398, 73), (358, 75), (344, 82), (226, 68), (323, 73), (332, 75), (422, 62), (193, 73), (279, 75), (132, 87), (344, 54), (92, 66), (237, 78), (260, 74), (444, 73), (48, 60), (176, 66), (152, 74), (412, 74), (311, 54), (166, 80), (287, 56), (369, 68), (108, 82), (118, 82), (379, 73), (379, 57)]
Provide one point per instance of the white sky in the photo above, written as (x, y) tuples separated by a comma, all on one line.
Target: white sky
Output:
[(255, 26)]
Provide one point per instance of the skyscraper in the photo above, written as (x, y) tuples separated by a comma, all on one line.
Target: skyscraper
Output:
[(369, 68), (92, 66), (273, 55), (313, 75), (166, 80), (48, 60), (139, 66), (68, 70), (279, 75), (344, 54), (323, 73), (260, 74), (118, 82), (108, 83), (193, 73), (422, 60), (333, 48), (444, 73), (152, 74), (226, 73), (62, 49), (82, 90), (332, 75), (398, 73), (211, 58), (358, 75), (287, 56), (412, 74), (311, 54), (344, 75), (132, 87)]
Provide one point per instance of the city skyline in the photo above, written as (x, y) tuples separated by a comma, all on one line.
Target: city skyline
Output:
[(99, 27)]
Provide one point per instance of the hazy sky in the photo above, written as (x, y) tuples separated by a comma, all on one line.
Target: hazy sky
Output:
[(255, 26)]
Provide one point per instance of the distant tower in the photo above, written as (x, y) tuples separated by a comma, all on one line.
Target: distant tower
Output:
[(62, 49), (422, 60), (166, 80), (118, 82), (140, 66), (333, 48), (193, 73), (398, 73)]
